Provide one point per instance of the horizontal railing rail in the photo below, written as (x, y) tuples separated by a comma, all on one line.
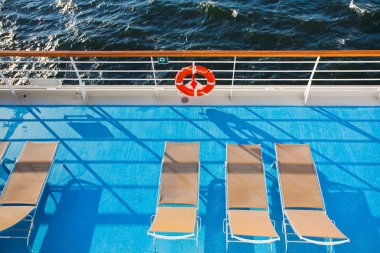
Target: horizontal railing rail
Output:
[(194, 53), (231, 68)]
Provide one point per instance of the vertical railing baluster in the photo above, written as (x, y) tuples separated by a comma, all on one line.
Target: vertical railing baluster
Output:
[(307, 90), (233, 77), (154, 77), (5, 80), (81, 84)]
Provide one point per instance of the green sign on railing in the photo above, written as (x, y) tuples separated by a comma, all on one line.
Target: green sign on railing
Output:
[(163, 60)]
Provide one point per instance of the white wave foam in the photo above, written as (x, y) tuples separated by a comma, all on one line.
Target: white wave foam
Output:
[(341, 41), (66, 6), (52, 42), (356, 8), (207, 5), (234, 13)]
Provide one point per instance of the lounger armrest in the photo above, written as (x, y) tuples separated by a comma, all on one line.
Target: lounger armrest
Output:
[(152, 218), (225, 224), (199, 224)]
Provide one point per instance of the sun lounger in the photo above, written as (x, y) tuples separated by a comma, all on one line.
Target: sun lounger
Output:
[(23, 190), (177, 203), (301, 198), (246, 197), (3, 148)]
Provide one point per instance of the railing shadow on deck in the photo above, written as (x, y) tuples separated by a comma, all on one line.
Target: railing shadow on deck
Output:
[(215, 213), (349, 207), (234, 127), (239, 131)]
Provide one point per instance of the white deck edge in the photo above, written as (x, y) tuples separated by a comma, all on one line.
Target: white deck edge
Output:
[(287, 95)]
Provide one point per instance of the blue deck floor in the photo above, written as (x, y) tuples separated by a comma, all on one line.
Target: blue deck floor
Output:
[(102, 197)]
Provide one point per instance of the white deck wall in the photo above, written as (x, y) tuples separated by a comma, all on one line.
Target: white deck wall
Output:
[(168, 95)]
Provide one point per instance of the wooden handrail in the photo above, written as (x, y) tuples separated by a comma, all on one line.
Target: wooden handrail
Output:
[(193, 53)]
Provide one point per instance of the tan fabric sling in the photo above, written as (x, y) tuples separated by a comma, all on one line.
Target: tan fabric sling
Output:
[(28, 177), (245, 177), (11, 215), (26, 182), (246, 189), (299, 181), (175, 219), (179, 185), (313, 223), (3, 148), (300, 189), (251, 223), (179, 175)]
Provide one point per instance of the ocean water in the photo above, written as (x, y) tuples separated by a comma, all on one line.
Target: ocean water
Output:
[(178, 24)]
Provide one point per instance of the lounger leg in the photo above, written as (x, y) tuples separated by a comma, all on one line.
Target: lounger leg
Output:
[(31, 226), (226, 232), (286, 237), (197, 231), (330, 248), (27, 245), (29, 248), (271, 244), (154, 243)]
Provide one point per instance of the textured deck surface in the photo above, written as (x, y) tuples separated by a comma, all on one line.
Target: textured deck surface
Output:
[(102, 197)]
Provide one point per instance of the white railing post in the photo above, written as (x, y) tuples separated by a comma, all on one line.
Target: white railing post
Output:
[(154, 77), (233, 77), (307, 90), (81, 84), (5, 80)]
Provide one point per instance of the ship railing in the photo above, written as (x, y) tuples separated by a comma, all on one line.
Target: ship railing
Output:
[(338, 70)]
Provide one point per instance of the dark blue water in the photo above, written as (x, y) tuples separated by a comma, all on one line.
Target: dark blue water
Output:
[(174, 24)]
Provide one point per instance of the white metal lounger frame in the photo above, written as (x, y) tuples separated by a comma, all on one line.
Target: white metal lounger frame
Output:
[(286, 222), (30, 217), (238, 239), (191, 236)]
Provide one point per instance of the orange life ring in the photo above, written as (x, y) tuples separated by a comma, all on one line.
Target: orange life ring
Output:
[(193, 88)]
